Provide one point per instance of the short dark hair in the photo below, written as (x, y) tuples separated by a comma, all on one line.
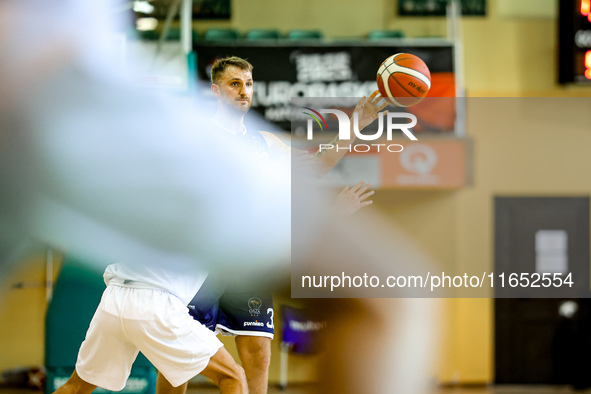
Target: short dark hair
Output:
[(222, 64)]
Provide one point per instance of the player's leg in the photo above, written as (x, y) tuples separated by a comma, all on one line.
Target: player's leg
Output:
[(181, 348), (163, 386), (255, 354), (226, 373), (75, 385), (106, 355), (248, 315), (222, 369)]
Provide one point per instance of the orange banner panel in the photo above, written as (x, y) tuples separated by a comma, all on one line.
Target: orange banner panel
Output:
[(429, 164)]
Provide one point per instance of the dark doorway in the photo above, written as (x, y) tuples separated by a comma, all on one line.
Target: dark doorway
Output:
[(543, 340)]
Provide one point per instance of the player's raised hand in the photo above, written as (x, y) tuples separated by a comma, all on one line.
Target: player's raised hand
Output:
[(368, 108), (350, 200)]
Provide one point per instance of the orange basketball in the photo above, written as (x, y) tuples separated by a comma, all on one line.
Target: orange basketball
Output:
[(404, 78)]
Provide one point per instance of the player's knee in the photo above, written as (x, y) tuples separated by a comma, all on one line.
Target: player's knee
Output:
[(261, 359), (258, 357), (235, 374), (240, 374)]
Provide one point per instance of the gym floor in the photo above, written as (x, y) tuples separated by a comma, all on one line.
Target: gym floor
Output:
[(454, 390)]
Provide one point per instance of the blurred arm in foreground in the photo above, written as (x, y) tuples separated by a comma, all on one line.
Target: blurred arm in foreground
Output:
[(91, 165), (89, 160)]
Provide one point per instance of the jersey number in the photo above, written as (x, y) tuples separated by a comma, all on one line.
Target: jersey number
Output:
[(271, 324)]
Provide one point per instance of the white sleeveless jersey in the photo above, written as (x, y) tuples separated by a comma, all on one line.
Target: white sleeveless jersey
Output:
[(182, 283)]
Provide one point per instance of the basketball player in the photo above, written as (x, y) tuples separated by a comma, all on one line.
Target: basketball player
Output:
[(113, 180), (247, 314), (88, 170), (144, 309)]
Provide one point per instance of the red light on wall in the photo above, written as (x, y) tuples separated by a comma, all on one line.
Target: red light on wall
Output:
[(588, 65), (586, 9)]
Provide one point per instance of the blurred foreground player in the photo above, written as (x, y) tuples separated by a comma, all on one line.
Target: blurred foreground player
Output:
[(110, 173), (246, 312), (114, 174), (87, 159)]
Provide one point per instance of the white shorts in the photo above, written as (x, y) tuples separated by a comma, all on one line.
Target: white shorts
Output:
[(152, 321)]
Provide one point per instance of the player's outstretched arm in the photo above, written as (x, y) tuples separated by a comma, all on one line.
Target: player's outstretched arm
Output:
[(367, 109), (280, 152), (277, 147), (324, 160)]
